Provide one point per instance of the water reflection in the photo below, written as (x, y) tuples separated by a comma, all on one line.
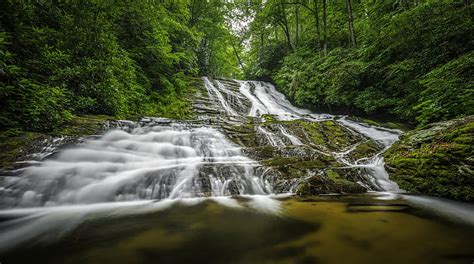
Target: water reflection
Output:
[(244, 229)]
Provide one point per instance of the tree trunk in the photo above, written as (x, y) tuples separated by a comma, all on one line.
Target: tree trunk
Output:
[(287, 34), (236, 54), (316, 17), (275, 28), (325, 43), (467, 4), (353, 42), (284, 26), (261, 31), (297, 25)]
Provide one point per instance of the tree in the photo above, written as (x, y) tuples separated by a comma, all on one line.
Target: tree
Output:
[(350, 19)]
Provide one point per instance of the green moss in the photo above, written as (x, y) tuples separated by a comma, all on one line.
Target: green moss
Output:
[(329, 182), (13, 146), (365, 149), (436, 160), (280, 161), (268, 118), (328, 134), (82, 126), (334, 176)]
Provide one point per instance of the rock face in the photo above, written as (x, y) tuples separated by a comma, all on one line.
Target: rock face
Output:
[(436, 160)]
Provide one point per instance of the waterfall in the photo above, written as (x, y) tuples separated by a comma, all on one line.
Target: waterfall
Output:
[(158, 160), (385, 137), (147, 163), (293, 139), (265, 99), (215, 94), (271, 137)]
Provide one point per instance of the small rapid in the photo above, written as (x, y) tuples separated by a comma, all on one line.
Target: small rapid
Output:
[(375, 164)]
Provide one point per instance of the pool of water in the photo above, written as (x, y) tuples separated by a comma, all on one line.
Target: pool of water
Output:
[(369, 228)]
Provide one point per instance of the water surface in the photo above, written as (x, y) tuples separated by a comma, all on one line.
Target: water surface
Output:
[(247, 229)]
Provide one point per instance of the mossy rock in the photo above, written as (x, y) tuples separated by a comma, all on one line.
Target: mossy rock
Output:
[(436, 160), (83, 126), (365, 149), (15, 146), (329, 181), (325, 135), (310, 166), (18, 145)]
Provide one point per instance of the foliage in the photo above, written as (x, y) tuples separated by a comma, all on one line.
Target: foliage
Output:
[(449, 91), (412, 59), (119, 58)]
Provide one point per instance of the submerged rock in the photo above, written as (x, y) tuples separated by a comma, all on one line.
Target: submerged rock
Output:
[(436, 160)]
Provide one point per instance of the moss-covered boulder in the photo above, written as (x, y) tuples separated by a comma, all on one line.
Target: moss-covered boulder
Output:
[(330, 181), (436, 160)]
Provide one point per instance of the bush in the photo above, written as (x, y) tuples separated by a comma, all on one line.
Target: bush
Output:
[(449, 91), (418, 67)]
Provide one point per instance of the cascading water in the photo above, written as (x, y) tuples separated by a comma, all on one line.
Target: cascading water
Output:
[(375, 164), (265, 99), (151, 162), (158, 161), (154, 189)]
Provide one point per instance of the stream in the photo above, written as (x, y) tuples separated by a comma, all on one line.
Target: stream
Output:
[(220, 188)]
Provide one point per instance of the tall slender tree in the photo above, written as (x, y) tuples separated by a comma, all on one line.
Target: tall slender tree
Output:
[(350, 19), (325, 28)]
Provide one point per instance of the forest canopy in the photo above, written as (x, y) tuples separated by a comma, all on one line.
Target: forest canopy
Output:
[(118, 58), (400, 59), (410, 60)]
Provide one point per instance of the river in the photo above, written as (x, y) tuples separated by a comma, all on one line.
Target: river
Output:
[(221, 189)]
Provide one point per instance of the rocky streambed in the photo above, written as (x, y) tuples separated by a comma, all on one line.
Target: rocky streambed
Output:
[(294, 150), (248, 178)]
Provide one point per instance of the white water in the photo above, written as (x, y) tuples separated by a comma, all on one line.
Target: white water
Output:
[(162, 161), (293, 139), (148, 163), (178, 164), (213, 92), (383, 136), (265, 99), (271, 137)]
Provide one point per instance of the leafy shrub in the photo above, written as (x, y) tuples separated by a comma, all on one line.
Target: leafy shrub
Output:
[(449, 91)]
